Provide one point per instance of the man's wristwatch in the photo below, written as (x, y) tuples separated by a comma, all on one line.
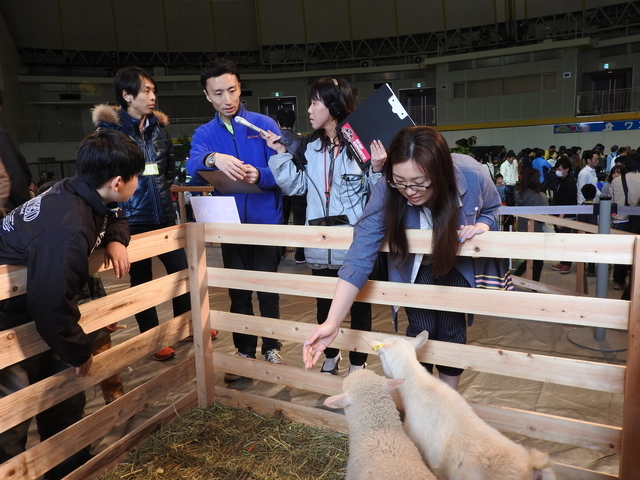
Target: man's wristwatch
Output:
[(210, 161)]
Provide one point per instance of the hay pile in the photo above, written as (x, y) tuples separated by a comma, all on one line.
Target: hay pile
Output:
[(235, 444)]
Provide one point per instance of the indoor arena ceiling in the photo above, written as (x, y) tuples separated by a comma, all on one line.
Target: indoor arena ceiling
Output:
[(277, 35)]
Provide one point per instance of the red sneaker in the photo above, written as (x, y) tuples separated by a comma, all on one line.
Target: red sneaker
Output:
[(164, 354), (564, 269)]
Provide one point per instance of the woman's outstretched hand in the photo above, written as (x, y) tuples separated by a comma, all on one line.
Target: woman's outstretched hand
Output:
[(320, 338)]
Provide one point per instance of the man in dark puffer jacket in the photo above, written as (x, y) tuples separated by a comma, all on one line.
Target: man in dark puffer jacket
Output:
[(150, 207)]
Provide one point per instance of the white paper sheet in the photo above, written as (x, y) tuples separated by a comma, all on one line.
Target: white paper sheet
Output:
[(215, 209)]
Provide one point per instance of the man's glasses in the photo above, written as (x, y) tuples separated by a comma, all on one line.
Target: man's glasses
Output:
[(415, 188)]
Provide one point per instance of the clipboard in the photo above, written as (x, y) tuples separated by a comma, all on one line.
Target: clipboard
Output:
[(380, 117), (225, 185)]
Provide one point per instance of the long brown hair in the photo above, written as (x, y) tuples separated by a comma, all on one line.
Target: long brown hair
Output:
[(429, 150)]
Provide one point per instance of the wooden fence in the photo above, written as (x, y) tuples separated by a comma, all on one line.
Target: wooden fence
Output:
[(23, 342)]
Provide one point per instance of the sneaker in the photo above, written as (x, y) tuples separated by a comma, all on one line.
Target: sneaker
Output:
[(232, 377), (618, 286), (273, 356), (353, 368), (557, 267), (564, 269), (300, 262), (164, 354), (335, 361)]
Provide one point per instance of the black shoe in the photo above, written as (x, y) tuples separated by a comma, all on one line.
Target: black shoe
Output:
[(334, 370)]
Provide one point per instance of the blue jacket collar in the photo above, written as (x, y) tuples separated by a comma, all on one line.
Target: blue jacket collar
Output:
[(242, 112)]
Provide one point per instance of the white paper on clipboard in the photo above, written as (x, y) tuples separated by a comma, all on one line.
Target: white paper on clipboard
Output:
[(215, 209)]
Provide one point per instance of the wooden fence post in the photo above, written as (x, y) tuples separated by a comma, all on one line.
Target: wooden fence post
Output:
[(200, 310), (629, 458)]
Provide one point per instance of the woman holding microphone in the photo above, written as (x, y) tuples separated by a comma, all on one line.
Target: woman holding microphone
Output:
[(336, 189)]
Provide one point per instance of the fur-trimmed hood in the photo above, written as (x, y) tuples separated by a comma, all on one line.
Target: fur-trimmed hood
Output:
[(105, 113)]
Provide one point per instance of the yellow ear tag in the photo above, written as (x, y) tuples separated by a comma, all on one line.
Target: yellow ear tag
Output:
[(377, 347)]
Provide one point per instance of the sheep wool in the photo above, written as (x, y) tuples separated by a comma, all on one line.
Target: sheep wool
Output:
[(378, 445), (455, 443)]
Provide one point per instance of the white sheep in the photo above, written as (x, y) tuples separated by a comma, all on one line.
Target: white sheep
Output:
[(378, 445), (455, 443)]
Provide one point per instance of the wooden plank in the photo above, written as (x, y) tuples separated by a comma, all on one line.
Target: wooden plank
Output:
[(13, 278), (542, 368), (199, 188), (573, 224), (39, 459), (630, 460), (294, 377), (182, 208), (603, 438), (298, 413), (568, 472), (13, 281), (537, 246), (146, 245), (197, 258), (113, 454), (29, 401), (22, 342), (599, 437), (583, 311)]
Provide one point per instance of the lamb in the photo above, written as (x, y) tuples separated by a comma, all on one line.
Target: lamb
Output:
[(455, 443), (378, 445)]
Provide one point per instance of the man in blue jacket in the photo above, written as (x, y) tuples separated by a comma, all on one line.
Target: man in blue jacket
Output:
[(243, 156)]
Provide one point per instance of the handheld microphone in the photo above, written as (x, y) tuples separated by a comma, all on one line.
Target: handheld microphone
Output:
[(248, 124), (243, 121)]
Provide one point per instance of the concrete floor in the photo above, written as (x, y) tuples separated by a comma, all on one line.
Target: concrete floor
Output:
[(475, 386)]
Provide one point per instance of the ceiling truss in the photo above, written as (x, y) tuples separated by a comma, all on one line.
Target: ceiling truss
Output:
[(604, 22)]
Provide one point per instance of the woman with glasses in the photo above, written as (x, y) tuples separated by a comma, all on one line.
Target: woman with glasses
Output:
[(336, 189), (426, 187)]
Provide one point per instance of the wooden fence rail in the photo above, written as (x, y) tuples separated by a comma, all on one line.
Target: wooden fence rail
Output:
[(549, 308), (22, 342)]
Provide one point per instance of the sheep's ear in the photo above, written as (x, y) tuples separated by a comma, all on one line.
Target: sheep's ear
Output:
[(393, 383), (338, 401), (374, 344), (421, 339)]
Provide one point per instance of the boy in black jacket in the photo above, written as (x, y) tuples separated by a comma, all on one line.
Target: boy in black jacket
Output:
[(53, 235)]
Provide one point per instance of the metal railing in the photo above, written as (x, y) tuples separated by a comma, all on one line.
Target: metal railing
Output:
[(40, 132), (608, 101)]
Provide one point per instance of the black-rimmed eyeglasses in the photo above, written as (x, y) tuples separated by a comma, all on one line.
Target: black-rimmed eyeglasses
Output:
[(415, 188)]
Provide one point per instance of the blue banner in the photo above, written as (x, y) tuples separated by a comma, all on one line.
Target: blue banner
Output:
[(597, 126)]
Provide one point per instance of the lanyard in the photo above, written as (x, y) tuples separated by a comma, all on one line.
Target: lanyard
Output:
[(328, 179)]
